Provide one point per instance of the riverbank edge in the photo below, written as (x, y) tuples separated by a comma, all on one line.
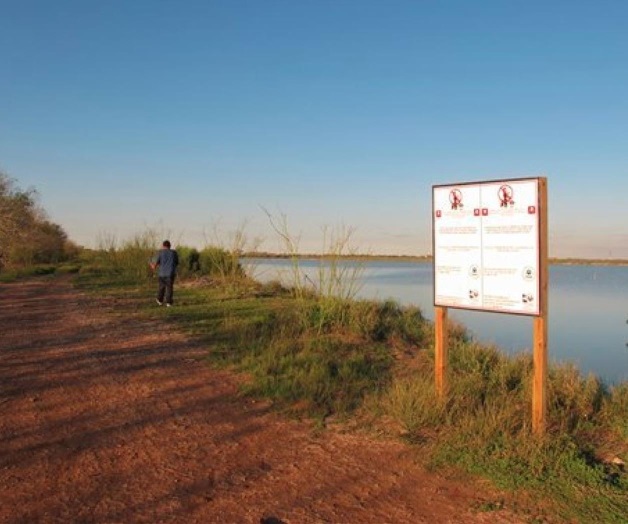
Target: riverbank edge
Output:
[(419, 258)]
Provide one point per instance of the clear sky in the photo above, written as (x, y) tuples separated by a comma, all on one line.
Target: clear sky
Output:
[(125, 114)]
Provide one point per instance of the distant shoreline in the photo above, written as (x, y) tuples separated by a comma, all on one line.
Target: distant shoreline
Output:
[(428, 258)]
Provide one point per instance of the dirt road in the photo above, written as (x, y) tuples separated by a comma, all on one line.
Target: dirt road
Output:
[(111, 419)]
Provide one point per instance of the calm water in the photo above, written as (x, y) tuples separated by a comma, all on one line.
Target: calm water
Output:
[(588, 309)]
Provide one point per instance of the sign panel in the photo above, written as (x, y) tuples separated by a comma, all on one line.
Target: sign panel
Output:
[(486, 246)]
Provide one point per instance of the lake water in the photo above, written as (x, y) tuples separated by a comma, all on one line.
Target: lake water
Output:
[(588, 309)]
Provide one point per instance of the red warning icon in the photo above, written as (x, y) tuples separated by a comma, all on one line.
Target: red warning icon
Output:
[(506, 195), (455, 197), (531, 210)]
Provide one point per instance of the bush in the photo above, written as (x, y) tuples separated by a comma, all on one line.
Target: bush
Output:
[(44, 269), (218, 262), (614, 410), (68, 268), (189, 261), (130, 260), (381, 321), (92, 269)]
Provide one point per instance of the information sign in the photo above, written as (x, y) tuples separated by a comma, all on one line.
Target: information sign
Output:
[(486, 246)]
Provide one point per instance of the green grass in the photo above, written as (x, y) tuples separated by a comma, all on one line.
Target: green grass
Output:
[(485, 428), (319, 356), (29, 271)]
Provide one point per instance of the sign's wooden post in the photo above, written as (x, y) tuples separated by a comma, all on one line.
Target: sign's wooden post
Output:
[(539, 392), (441, 355)]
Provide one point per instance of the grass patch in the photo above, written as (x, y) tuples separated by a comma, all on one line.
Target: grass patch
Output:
[(322, 376), (485, 428), (29, 271)]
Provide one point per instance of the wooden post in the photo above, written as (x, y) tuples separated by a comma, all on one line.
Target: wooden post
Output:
[(441, 350), (539, 392)]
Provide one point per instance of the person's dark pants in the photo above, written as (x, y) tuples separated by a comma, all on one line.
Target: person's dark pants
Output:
[(166, 290)]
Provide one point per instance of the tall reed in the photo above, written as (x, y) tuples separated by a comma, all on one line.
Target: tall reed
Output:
[(325, 301)]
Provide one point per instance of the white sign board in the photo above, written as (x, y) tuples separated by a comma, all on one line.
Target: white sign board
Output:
[(486, 246)]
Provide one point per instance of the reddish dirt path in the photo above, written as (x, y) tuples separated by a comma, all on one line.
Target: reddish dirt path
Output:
[(110, 419)]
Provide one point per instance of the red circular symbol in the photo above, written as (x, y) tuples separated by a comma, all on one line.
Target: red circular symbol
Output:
[(455, 197), (505, 194)]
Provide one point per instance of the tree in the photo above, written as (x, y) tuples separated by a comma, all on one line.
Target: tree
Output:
[(26, 236), (16, 215)]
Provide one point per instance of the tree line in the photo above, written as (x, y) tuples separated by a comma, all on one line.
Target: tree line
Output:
[(27, 236)]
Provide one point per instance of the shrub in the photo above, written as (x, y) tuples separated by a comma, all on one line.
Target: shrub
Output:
[(614, 410), (218, 262), (44, 269), (189, 261), (381, 321), (131, 259), (68, 268)]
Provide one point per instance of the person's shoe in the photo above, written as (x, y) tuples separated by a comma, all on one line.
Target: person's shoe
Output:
[(168, 305), (159, 302)]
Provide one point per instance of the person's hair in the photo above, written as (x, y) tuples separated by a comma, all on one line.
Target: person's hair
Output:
[(166, 243)]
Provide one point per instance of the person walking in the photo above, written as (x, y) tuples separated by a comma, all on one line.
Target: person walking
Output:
[(167, 261)]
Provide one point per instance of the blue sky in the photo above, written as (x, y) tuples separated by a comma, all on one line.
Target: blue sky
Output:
[(190, 114)]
